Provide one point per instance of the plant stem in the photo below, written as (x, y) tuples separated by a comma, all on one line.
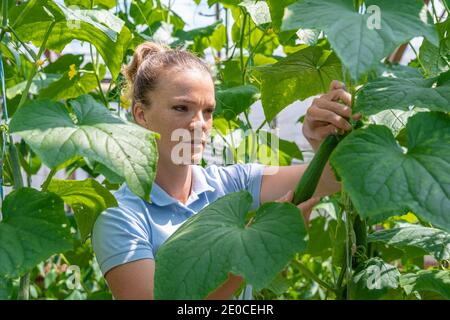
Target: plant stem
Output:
[(4, 18), (313, 276), (349, 243), (94, 66), (253, 51), (341, 278), (24, 12), (227, 41), (360, 228), (262, 125), (4, 14), (15, 165), (224, 140), (434, 11), (29, 169), (247, 119), (233, 146), (418, 58), (24, 289), (47, 181), (246, 156), (35, 66), (241, 44), (444, 2), (30, 52)]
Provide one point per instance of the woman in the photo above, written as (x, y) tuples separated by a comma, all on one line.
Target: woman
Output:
[(173, 90)]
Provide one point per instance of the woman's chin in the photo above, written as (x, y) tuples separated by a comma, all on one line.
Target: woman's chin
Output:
[(197, 158)]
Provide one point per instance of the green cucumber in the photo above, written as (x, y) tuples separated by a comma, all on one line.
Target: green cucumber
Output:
[(308, 183)]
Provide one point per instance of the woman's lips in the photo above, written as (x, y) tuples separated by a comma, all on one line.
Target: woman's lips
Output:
[(193, 142)]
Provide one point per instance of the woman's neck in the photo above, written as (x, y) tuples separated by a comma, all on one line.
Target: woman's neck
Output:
[(176, 180)]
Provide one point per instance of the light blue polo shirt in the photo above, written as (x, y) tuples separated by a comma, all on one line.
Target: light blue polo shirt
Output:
[(136, 228)]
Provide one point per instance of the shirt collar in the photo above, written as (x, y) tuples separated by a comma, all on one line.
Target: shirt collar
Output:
[(200, 184)]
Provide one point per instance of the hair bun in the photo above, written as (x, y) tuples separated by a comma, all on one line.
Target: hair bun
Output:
[(142, 52)]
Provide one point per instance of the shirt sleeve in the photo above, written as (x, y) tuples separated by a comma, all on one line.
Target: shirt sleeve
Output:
[(119, 237), (239, 177)]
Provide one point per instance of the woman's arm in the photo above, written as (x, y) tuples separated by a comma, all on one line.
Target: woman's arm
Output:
[(132, 280), (323, 118), (135, 281), (276, 185)]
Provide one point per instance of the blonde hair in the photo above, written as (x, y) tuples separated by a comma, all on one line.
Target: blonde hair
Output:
[(149, 61)]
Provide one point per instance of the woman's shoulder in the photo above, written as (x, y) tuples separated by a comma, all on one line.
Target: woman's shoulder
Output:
[(130, 209), (232, 169), (235, 177)]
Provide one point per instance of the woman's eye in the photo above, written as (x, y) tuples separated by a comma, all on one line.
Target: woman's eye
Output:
[(210, 110), (180, 108)]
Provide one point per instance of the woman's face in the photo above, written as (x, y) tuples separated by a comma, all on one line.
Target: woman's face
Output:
[(181, 112)]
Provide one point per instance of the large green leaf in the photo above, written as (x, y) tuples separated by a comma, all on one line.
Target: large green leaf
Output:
[(374, 279), (430, 240), (88, 199), (71, 87), (402, 93), (141, 11), (196, 259), (394, 119), (321, 233), (225, 2), (231, 102), (258, 11), (433, 58), (302, 74), (271, 145), (260, 41), (39, 82), (88, 3), (276, 8), (357, 41), (200, 38), (266, 148), (99, 27), (427, 280), (33, 228), (5, 288), (125, 148), (383, 179), (81, 255), (62, 64), (340, 243)]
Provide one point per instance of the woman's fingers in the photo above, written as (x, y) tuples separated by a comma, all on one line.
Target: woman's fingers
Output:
[(306, 208), (338, 108), (357, 116), (339, 94), (325, 115), (335, 84), (321, 132)]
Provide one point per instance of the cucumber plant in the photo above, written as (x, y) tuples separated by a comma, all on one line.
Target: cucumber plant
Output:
[(366, 242)]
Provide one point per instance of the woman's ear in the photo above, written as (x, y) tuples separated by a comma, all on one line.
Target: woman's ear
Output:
[(139, 114)]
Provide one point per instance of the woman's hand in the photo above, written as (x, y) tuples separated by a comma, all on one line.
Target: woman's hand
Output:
[(326, 115), (305, 207)]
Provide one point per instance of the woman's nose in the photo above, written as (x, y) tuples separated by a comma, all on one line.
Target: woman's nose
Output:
[(198, 121)]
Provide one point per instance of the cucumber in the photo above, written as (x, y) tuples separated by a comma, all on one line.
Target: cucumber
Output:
[(308, 183)]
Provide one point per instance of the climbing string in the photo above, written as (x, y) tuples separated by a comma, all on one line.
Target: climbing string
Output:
[(3, 125)]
